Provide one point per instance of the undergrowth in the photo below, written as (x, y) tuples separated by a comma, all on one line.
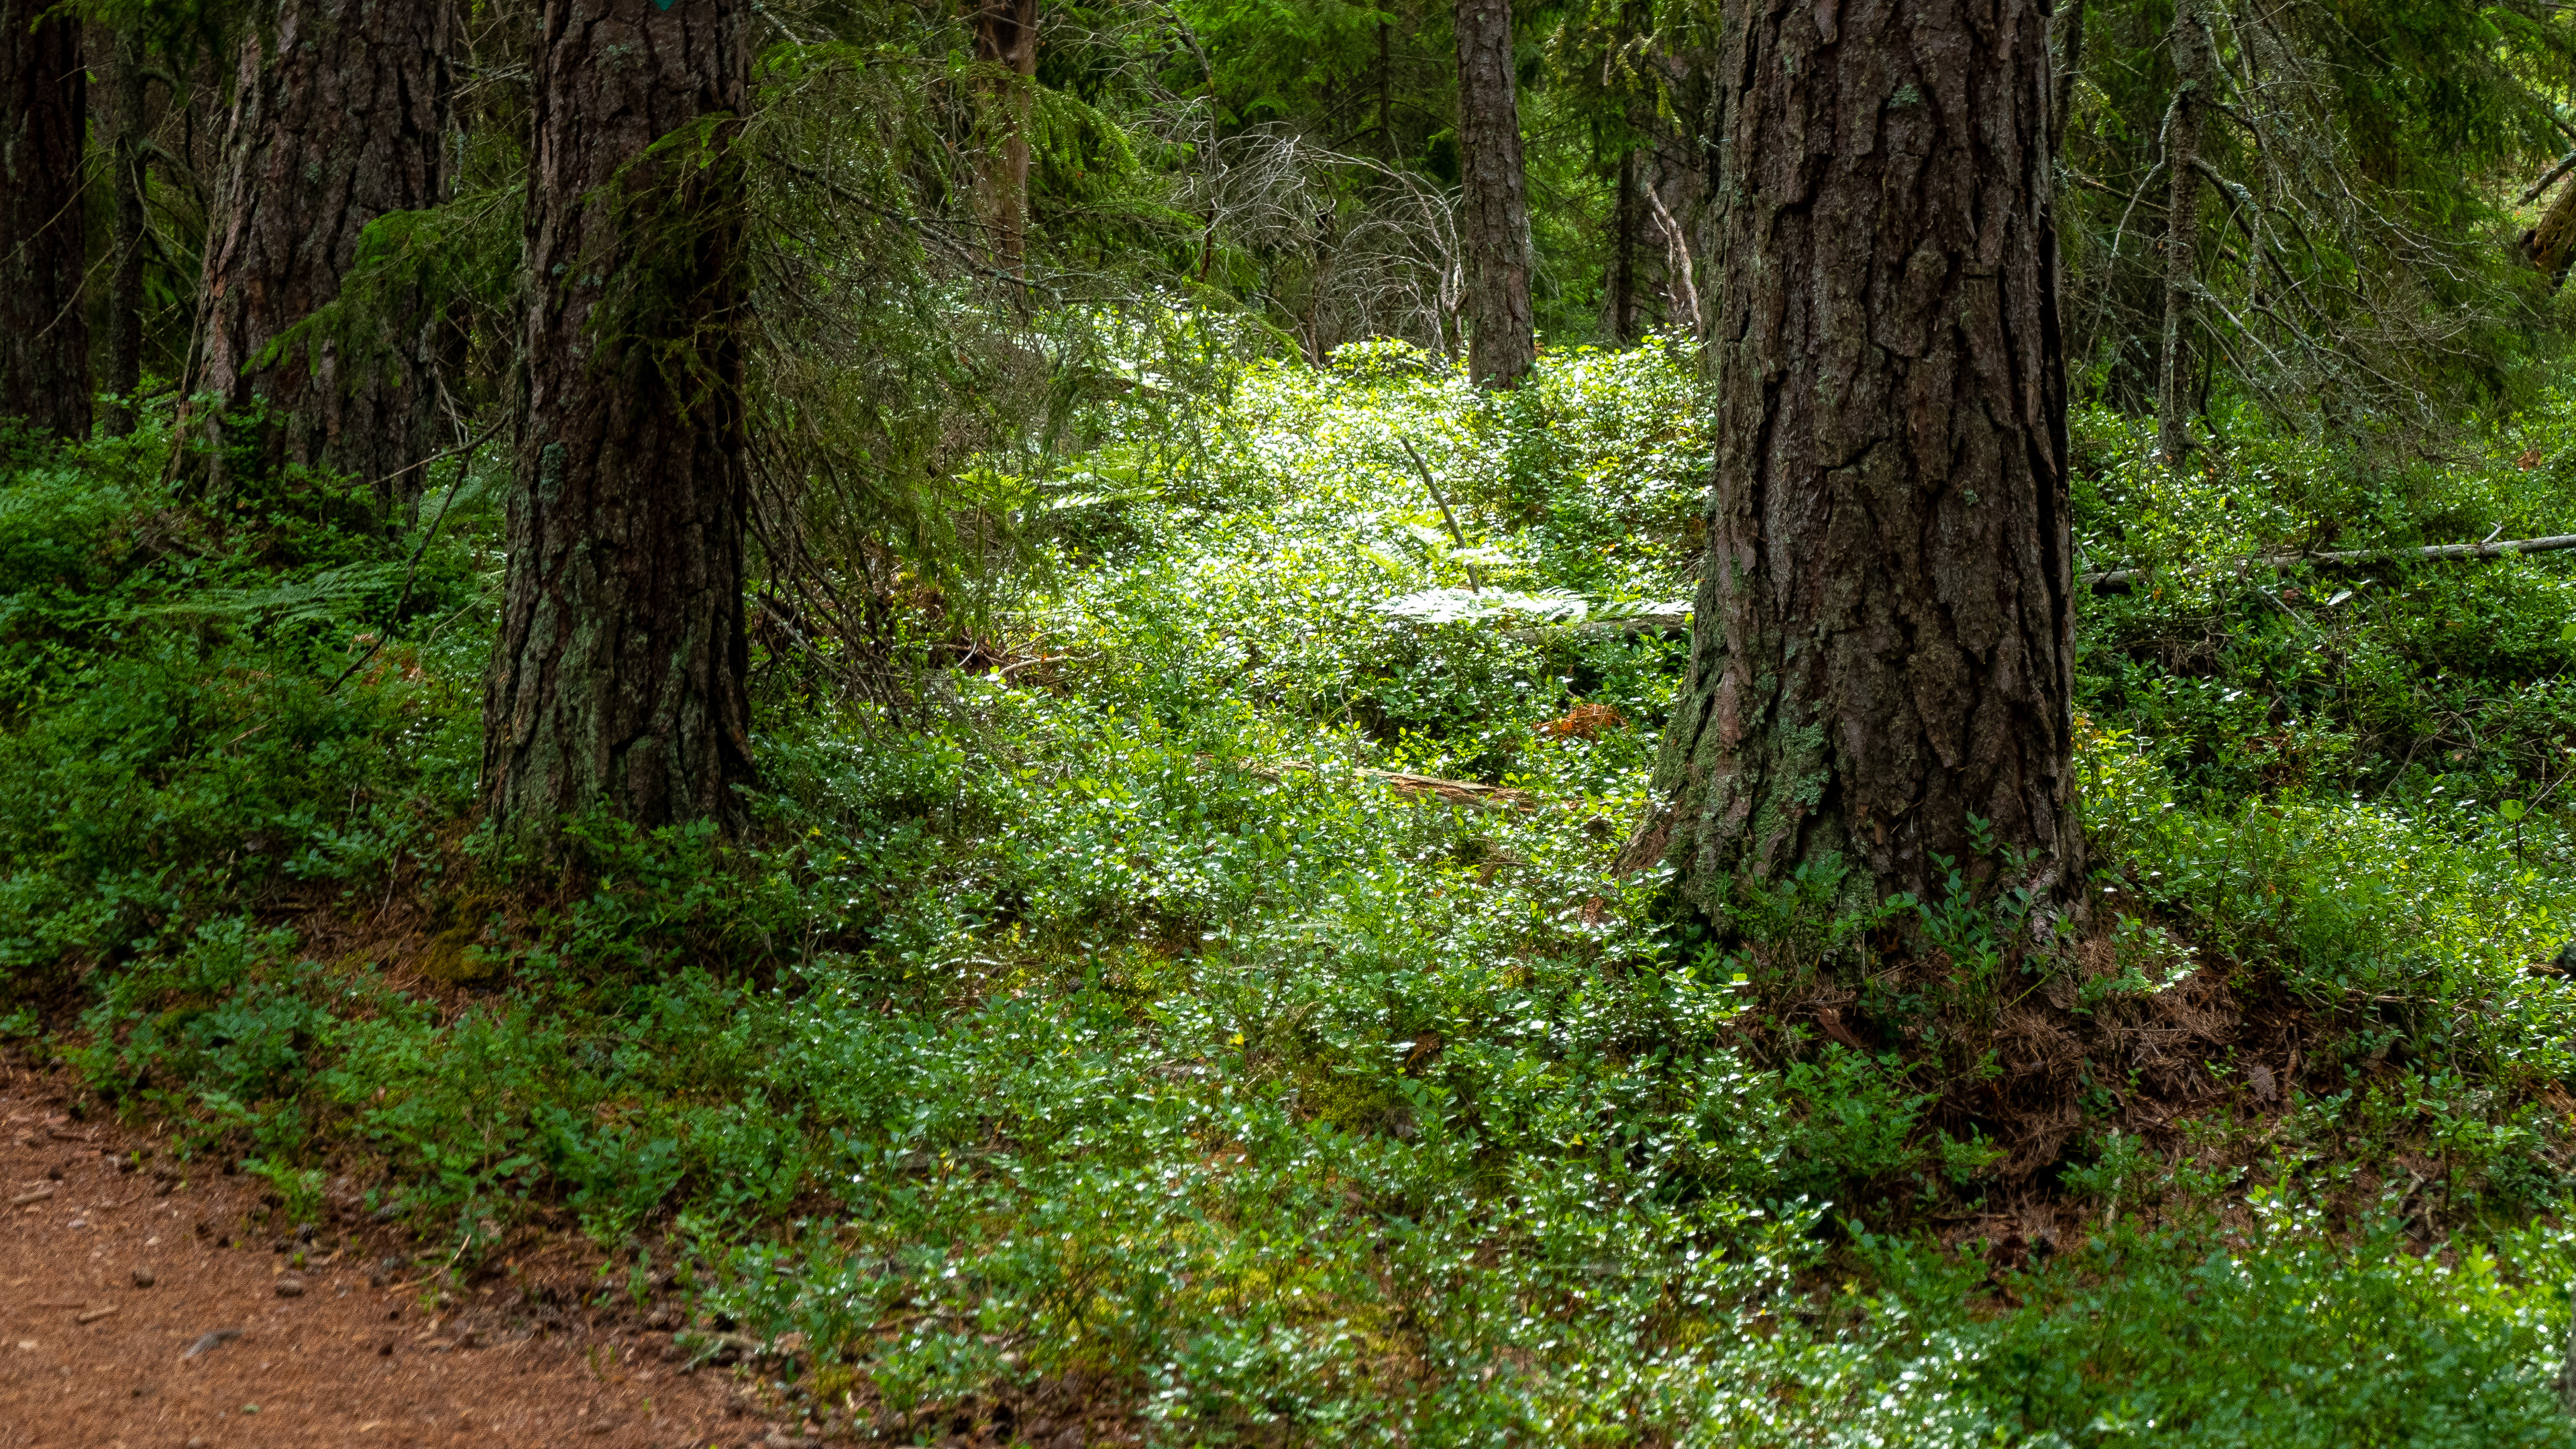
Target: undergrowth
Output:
[(1103, 1016)]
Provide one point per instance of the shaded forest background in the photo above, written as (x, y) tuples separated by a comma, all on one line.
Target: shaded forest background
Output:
[(2347, 215)]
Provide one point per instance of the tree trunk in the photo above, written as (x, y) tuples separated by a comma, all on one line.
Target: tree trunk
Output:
[(2069, 24), (1502, 344), (2195, 67), (618, 678), (44, 336), (1882, 647), (124, 374), (2551, 246), (1386, 88), (340, 116), (1628, 219), (1006, 35)]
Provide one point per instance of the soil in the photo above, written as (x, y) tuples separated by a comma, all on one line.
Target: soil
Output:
[(212, 1354)]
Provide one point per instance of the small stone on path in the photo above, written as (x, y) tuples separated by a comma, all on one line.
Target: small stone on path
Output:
[(290, 1286)]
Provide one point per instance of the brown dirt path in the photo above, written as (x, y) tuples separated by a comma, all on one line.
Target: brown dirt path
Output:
[(90, 1358)]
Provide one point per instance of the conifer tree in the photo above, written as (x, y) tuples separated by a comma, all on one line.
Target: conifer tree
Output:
[(340, 115), (1495, 228), (617, 681), (1881, 668), (1006, 37), (44, 341)]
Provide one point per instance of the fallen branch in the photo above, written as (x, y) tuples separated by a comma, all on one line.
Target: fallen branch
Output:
[(1632, 624), (2118, 581), (2565, 164), (1456, 792)]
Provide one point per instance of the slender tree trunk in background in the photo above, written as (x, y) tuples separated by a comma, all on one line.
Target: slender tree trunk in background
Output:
[(1628, 220), (618, 677), (1882, 646), (44, 336), (1502, 344), (124, 372), (2195, 67), (1006, 35), (2069, 24), (1386, 87), (340, 116)]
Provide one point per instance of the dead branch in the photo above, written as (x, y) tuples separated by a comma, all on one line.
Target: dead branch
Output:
[(1456, 792), (2120, 581)]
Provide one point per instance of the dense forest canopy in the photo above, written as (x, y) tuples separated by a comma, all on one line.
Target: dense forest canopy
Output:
[(1263, 721)]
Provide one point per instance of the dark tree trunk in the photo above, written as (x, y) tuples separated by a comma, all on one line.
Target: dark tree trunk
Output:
[(340, 116), (618, 677), (1629, 219), (1882, 648), (2194, 67), (1006, 35), (44, 336), (2069, 25), (125, 253), (1386, 88), (1502, 344)]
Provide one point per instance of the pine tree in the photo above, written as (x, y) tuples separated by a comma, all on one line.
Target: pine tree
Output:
[(1883, 653), (44, 338), (340, 115), (1495, 229), (617, 681)]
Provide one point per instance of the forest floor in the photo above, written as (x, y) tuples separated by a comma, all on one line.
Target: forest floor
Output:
[(145, 1310)]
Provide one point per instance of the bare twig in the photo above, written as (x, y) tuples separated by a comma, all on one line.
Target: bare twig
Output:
[(1452, 519)]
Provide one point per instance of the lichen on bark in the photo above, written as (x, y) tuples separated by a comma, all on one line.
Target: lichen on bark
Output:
[(617, 680), (1881, 672)]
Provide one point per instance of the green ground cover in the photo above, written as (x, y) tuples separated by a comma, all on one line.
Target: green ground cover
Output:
[(1092, 1016)]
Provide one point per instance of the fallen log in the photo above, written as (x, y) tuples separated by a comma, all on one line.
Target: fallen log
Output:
[(2120, 581)]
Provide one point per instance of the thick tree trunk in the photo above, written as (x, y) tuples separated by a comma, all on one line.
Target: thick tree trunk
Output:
[(1006, 35), (618, 677), (124, 373), (1882, 647), (44, 336), (340, 116), (1502, 343), (2194, 67)]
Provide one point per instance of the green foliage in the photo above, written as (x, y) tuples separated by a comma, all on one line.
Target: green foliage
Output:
[(1100, 1013)]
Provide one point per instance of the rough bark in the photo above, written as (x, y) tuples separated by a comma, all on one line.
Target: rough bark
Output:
[(2551, 246), (1882, 645), (1006, 36), (1502, 342), (126, 119), (617, 681), (2194, 67), (44, 337), (340, 115)]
